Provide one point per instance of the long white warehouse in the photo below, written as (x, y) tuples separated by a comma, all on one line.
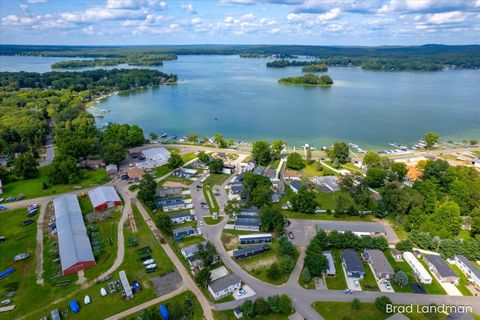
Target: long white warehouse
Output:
[(418, 269)]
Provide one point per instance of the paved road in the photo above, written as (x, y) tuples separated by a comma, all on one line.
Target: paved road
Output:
[(50, 150)]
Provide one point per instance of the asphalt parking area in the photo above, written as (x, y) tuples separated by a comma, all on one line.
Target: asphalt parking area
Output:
[(166, 283), (248, 293)]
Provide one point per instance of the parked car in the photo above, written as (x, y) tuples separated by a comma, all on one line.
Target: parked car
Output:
[(387, 284), (201, 223), (20, 197), (27, 222), (2, 199), (348, 291), (291, 235), (357, 283), (2, 238), (10, 199), (21, 257), (241, 292), (3, 208)]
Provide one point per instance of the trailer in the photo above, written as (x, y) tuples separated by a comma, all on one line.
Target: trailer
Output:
[(6, 273)]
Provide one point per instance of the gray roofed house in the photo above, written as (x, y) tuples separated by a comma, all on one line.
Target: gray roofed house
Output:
[(168, 191), (296, 185), (441, 269), (259, 170), (329, 183), (331, 264), (380, 264), (469, 268), (247, 222), (189, 251), (271, 173), (249, 251), (73, 242), (225, 285), (236, 188), (252, 211), (359, 228), (181, 217), (275, 198), (352, 264)]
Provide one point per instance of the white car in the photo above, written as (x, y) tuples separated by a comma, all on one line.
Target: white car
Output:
[(387, 285), (201, 223), (356, 282), (149, 261), (151, 266), (103, 292), (241, 292)]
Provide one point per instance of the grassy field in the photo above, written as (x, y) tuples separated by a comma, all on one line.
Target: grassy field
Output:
[(215, 179), (258, 265), (311, 170), (212, 221), (400, 265), (161, 171), (368, 283), (338, 282), (275, 164), (367, 311), (185, 181), (228, 315), (178, 302), (210, 199), (188, 157), (33, 188)]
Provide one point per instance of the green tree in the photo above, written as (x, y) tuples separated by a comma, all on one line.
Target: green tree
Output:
[(203, 277), (356, 304), (146, 190), (475, 228), (164, 223), (305, 275), (192, 137), (273, 271), (113, 153), (304, 201), (339, 151), (314, 259), (343, 202), (372, 159), (219, 140), (62, 170), (447, 217), (398, 171), (285, 247), (203, 157), (25, 166), (431, 138), (247, 309), (295, 161), (271, 220), (257, 190), (260, 307), (277, 147), (273, 302), (285, 304), (404, 245), (207, 253), (309, 156), (382, 302), (261, 152), (401, 278), (287, 264), (216, 165), (375, 177), (175, 161), (153, 136)]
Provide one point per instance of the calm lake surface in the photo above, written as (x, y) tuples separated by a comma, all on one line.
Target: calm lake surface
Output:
[(365, 107)]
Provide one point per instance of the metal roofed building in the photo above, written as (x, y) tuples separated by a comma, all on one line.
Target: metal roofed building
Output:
[(225, 285), (154, 157), (418, 269), (104, 197), (380, 264), (331, 264), (168, 191), (181, 217), (247, 222), (179, 233), (190, 250), (358, 228), (255, 238), (249, 251), (126, 285), (330, 183), (171, 204), (296, 185), (352, 264), (441, 269), (74, 246)]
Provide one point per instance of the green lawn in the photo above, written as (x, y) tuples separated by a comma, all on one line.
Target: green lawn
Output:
[(462, 285), (177, 303), (216, 179), (228, 315), (188, 157), (33, 188), (368, 283), (368, 311), (258, 265), (338, 282), (85, 205), (400, 265), (212, 221), (161, 171), (176, 179), (311, 170), (210, 199), (434, 287), (275, 164)]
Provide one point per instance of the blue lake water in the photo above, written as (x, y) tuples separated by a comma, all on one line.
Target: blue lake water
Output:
[(370, 108)]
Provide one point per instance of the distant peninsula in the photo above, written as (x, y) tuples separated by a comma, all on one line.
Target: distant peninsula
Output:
[(321, 67), (309, 80), (145, 60)]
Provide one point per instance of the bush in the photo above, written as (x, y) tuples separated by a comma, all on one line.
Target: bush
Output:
[(356, 305), (405, 245), (260, 307), (305, 275), (274, 271), (401, 278), (382, 302)]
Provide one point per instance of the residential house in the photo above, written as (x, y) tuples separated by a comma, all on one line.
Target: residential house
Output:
[(182, 232), (249, 251), (441, 269), (296, 186), (255, 238), (181, 217), (228, 168), (168, 192), (184, 173), (236, 188), (352, 264), (259, 170), (92, 164), (224, 286), (291, 175), (247, 223), (111, 169), (358, 228), (271, 174), (135, 173), (380, 264), (252, 211), (397, 255), (275, 198), (171, 204), (327, 183), (418, 269), (469, 268), (154, 157)]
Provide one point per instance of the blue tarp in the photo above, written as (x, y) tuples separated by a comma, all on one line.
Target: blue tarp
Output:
[(74, 306), (6, 273), (164, 312)]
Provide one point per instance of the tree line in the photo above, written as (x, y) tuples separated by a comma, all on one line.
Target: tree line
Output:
[(146, 60)]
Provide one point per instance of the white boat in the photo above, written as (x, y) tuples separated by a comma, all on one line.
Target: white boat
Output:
[(86, 300), (149, 261), (151, 266), (103, 292)]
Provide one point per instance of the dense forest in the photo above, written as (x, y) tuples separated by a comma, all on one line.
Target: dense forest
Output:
[(289, 63), (30, 101), (315, 68), (309, 80), (425, 57), (146, 60)]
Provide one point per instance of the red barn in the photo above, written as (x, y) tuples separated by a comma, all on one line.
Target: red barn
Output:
[(74, 246), (104, 197)]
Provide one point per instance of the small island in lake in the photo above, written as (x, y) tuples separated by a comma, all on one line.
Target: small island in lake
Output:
[(309, 80), (146, 60), (321, 67)]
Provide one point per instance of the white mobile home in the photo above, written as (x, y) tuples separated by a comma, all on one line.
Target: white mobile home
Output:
[(418, 268)]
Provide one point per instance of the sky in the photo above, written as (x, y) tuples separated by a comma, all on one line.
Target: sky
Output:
[(174, 22)]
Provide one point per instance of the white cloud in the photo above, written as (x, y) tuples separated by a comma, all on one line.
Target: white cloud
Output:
[(123, 4), (24, 7), (14, 20), (248, 16), (36, 1), (446, 17), (330, 15), (229, 20), (188, 7), (196, 21)]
